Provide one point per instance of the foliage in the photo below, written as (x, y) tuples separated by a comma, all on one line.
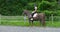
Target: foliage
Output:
[(45, 5), (16, 7)]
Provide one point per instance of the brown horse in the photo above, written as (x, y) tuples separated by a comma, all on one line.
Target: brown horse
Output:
[(39, 16)]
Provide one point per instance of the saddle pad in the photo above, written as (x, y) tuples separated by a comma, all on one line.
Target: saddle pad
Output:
[(35, 15)]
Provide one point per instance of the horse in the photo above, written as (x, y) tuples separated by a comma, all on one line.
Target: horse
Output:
[(39, 16)]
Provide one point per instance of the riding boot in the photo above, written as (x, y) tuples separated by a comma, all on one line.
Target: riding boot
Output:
[(32, 16)]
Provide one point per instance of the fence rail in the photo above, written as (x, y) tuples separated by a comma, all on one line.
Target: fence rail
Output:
[(12, 17), (55, 18)]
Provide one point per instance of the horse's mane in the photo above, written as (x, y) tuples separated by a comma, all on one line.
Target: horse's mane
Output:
[(27, 11)]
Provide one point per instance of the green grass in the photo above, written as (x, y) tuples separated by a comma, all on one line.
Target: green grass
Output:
[(22, 23), (17, 23), (54, 24)]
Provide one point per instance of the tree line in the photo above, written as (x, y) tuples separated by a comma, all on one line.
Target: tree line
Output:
[(16, 7)]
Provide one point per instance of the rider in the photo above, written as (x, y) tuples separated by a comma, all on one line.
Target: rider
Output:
[(35, 10)]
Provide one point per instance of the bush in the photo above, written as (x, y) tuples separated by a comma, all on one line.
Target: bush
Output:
[(45, 5)]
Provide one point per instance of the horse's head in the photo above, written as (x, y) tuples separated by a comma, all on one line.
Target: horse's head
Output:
[(25, 12)]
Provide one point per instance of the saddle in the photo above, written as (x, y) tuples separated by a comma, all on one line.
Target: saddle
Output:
[(34, 15)]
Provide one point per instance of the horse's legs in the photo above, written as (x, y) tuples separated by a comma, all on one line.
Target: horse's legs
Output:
[(32, 22), (43, 22), (40, 22), (29, 22)]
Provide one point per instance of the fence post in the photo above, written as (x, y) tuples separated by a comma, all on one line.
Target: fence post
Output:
[(52, 18), (24, 19), (0, 19)]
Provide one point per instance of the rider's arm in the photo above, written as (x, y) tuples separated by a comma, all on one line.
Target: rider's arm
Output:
[(35, 8)]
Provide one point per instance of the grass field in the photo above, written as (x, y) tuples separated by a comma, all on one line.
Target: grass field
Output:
[(19, 21), (22, 23)]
